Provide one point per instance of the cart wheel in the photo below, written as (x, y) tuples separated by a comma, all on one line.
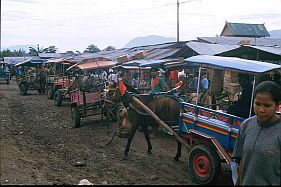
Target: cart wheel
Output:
[(50, 92), (204, 164), (58, 98), (23, 89), (75, 116)]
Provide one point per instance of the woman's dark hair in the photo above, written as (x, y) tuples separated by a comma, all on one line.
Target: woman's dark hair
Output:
[(269, 87), (153, 68)]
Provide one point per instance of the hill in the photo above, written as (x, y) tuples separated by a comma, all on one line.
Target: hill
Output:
[(275, 34), (148, 40), (17, 47)]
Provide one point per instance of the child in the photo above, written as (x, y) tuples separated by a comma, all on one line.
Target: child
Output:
[(257, 147)]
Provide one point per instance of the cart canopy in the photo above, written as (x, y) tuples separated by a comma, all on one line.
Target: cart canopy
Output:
[(232, 63), (92, 65)]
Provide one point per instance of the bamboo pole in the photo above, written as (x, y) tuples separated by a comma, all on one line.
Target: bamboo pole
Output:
[(180, 139)]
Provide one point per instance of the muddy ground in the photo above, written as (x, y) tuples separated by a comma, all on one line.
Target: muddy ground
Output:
[(40, 146)]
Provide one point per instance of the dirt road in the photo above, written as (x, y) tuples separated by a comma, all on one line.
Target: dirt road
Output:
[(40, 146)]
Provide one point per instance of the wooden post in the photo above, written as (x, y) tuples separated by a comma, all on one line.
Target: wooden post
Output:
[(154, 116)]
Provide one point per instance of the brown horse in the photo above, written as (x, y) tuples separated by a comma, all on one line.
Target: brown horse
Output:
[(164, 106)]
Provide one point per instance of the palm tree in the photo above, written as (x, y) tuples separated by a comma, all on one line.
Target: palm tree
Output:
[(50, 49)]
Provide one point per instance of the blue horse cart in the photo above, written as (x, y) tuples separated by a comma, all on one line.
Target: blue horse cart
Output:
[(209, 134)]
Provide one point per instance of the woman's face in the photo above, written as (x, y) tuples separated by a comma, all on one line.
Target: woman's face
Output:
[(265, 108), (153, 74)]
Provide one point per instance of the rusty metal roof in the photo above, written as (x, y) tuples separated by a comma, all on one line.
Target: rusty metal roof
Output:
[(93, 65)]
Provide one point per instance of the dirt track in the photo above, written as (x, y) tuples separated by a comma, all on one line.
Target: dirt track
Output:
[(40, 146)]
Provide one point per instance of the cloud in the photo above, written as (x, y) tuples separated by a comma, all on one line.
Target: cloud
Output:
[(261, 15), (23, 1)]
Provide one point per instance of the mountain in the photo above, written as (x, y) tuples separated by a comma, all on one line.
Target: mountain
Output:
[(17, 47), (275, 34), (148, 40)]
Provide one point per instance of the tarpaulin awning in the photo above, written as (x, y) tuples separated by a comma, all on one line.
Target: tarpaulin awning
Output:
[(232, 63), (30, 61), (92, 65)]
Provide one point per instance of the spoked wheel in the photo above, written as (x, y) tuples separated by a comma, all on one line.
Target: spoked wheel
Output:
[(58, 98), (75, 116), (50, 92), (23, 89), (204, 164)]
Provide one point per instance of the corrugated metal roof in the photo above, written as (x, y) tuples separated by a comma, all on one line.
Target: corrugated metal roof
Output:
[(51, 55), (233, 63), (158, 54), (210, 49), (15, 60), (235, 40), (245, 29), (273, 50)]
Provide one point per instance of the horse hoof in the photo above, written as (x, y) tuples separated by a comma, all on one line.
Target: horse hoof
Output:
[(124, 157), (149, 152), (176, 159)]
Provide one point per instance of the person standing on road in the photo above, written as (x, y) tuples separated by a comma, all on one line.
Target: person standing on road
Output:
[(157, 83), (258, 145)]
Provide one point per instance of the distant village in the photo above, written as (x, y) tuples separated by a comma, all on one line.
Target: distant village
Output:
[(243, 40)]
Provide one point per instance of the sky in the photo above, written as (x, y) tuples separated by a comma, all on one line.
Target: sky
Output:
[(75, 24)]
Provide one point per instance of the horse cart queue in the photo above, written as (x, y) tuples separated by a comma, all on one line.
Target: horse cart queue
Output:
[(87, 99), (208, 134), (199, 120), (31, 76)]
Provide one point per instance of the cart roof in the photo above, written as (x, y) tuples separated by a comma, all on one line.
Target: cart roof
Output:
[(93, 64), (232, 63)]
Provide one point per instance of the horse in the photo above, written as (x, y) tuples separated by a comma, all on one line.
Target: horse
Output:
[(164, 106)]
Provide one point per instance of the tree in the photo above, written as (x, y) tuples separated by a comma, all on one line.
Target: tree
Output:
[(51, 49), (92, 49), (109, 48), (8, 53), (78, 53), (35, 52), (70, 53)]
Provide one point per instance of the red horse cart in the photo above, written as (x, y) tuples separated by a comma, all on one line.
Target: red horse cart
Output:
[(88, 97)]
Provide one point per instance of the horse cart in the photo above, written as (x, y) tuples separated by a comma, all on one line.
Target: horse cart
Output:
[(211, 134), (58, 81), (4, 72), (87, 98), (208, 134), (33, 77)]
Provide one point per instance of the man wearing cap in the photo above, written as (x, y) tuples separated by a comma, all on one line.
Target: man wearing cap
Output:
[(157, 83)]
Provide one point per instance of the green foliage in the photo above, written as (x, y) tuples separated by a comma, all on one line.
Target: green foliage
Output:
[(15, 53), (92, 49), (109, 48), (35, 52)]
